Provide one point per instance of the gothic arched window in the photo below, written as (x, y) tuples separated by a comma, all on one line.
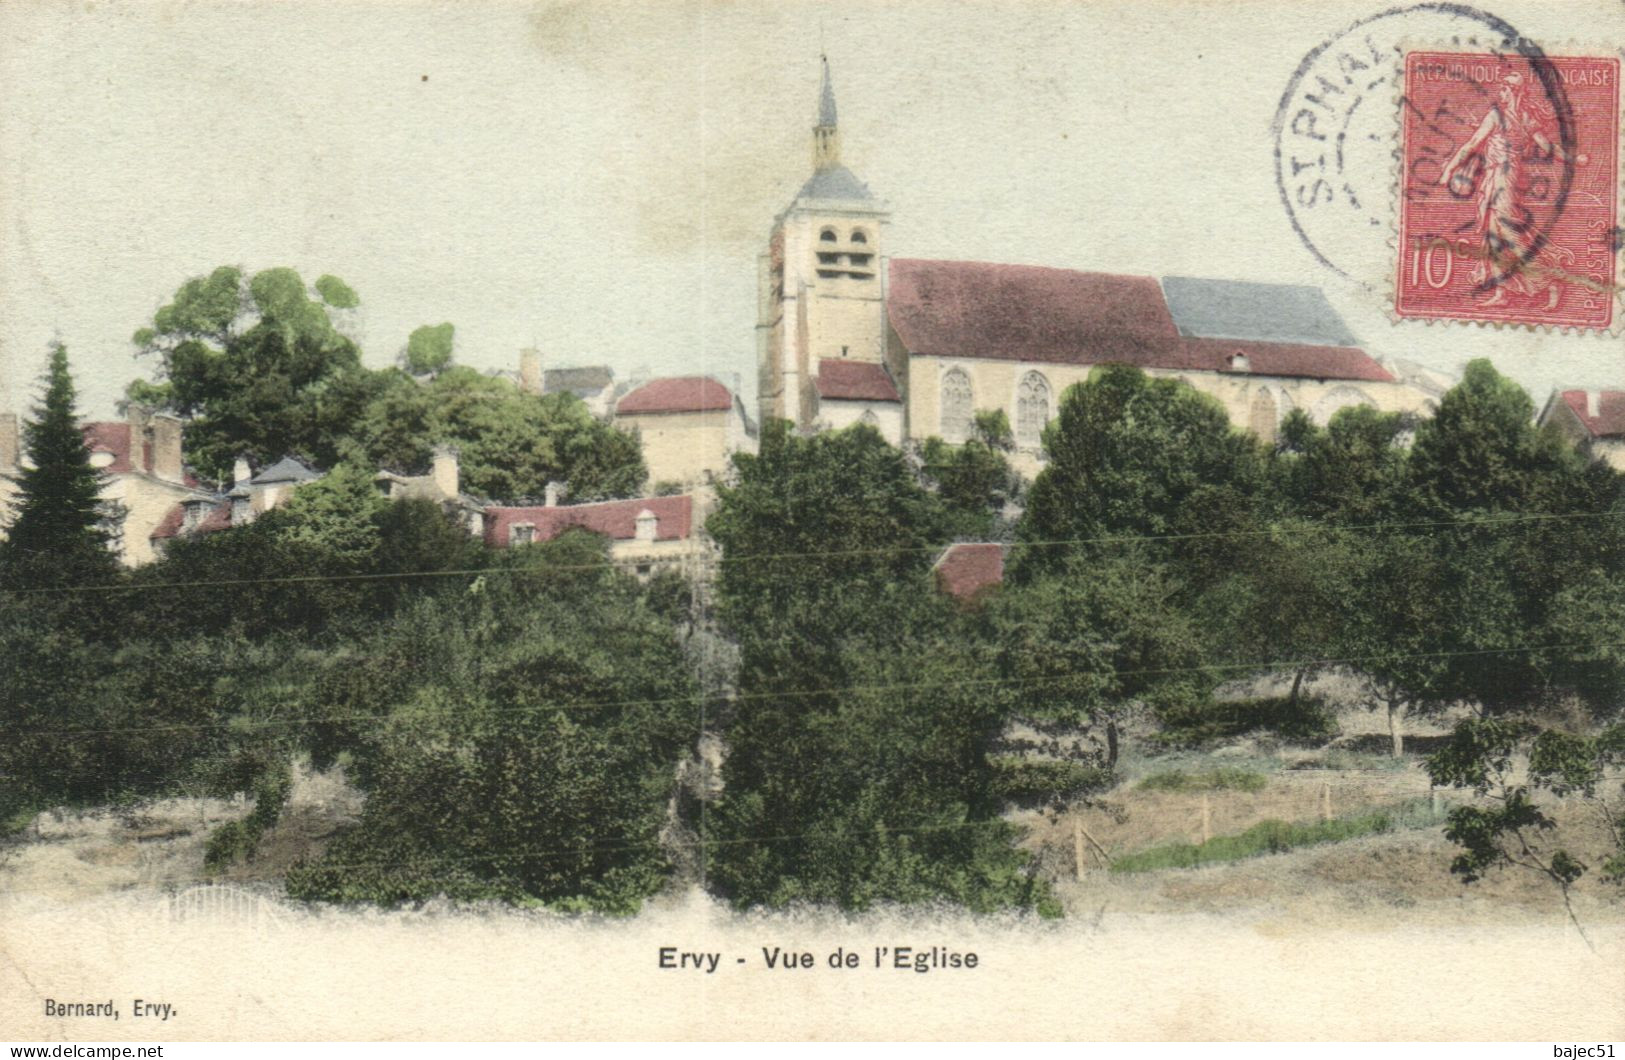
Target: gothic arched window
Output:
[(956, 405), (1032, 408), (1263, 415)]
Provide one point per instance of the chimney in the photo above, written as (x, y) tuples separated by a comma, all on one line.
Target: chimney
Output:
[(550, 496), (140, 446), (647, 525), (242, 506), (241, 472), (530, 370), (445, 471), (1593, 404), (166, 449), (9, 449)]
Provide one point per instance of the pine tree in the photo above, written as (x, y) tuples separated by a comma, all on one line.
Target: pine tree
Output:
[(57, 533)]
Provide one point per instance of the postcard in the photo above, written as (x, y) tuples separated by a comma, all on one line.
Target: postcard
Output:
[(672, 519)]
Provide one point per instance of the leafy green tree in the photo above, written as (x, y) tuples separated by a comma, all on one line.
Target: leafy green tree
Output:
[(1529, 528), (512, 444), (974, 481), (1351, 472), (815, 529), (58, 533), (518, 742), (1098, 641), (857, 766), (1131, 456), (1398, 630), (258, 367), (429, 349), (1513, 828), (1289, 608)]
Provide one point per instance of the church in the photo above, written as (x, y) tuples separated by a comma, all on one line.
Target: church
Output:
[(847, 334)]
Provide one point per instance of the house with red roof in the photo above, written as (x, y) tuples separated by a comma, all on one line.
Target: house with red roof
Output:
[(645, 533), (918, 347), (1593, 419), (690, 427), (143, 472), (969, 571)]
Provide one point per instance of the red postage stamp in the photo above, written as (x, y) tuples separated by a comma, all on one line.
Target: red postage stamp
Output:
[(1509, 189)]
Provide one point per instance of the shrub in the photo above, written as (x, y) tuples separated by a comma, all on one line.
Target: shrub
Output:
[(1223, 779), (1045, 781), (1309, 722), (236, 840)]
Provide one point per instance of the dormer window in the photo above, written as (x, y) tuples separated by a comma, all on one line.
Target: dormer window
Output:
[(1238, 363), (522, 534), (647, 526), (101, 458)]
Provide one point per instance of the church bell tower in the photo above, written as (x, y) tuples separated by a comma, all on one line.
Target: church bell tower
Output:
[(821, 285)]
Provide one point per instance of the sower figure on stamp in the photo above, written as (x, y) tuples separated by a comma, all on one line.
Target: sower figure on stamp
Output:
[(1516, 127)]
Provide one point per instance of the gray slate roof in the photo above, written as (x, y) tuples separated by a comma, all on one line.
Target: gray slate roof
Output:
[(285, 470), (826, 100), (1261, 312), (585, 380), (836, 182)]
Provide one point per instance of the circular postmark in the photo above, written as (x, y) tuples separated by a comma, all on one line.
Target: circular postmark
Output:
[(1336, 131)]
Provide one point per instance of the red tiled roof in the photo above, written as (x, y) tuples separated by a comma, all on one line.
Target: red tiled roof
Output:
[(855, 381), (689, 393), (1610, 419), (1275, 358), (617, 520), (218, 518), (1023, 312), (966, 571), (1060, 316), (110, 437)]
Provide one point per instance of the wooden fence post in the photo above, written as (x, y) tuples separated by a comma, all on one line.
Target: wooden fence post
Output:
[(1077, 845)]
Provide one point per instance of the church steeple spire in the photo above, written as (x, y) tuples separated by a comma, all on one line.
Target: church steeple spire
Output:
[(826, 137)]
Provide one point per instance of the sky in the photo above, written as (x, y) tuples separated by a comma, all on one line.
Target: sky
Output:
[(597, 178)]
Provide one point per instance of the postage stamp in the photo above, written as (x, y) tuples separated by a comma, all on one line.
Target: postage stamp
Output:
[(1508, 205)]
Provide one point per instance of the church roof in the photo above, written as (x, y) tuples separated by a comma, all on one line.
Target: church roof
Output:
[(1061, 316), (855, 381), (1269, 312), (1024, 312), (826, 100), (835, 182), (689, 393)]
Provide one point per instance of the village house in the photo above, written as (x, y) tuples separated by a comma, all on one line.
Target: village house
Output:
[(916, 348), (144, 475), (645, 533), (1592, 419), (250, 497), (689, 426), (969, 571)]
